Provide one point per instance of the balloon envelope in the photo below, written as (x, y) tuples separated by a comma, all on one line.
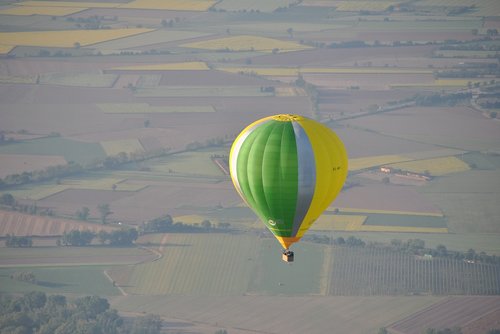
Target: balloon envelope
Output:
[(288, 169)]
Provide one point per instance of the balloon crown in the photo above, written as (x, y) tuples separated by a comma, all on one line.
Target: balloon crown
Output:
[(287, 117)]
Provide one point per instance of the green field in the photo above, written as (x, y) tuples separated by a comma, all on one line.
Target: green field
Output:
[(469, 200), (481, 160), (194, 163), (150, 38), (92, 182), (79, 152), (197, 264), (273, 276), (81, 280), (376, 271)]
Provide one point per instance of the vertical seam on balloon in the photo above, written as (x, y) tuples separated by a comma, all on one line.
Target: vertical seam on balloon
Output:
[(305, 156), (268, 208)]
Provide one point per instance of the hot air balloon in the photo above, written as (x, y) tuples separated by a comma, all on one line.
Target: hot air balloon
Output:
[(288, 169)]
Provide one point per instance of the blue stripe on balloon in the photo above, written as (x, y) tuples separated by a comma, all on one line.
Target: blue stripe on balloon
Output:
[(306, 175)]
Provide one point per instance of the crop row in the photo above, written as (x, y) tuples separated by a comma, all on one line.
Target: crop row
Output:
[(374, 271), (197, 264)]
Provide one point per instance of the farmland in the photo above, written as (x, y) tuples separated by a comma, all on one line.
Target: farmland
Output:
[(65, 38), (147, 96), (247, 43), (360, 272)]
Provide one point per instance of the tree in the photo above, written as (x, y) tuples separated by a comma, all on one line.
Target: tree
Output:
[(382, 330), (91, 306), (221, 331), (104, 212), (206, 224), (161, 224), (339, 241), (290, 32), (103, 236), (14, 241), (77, 238), (7, 199), (149, 324), (76, 45), (441, 250), (83, 213)]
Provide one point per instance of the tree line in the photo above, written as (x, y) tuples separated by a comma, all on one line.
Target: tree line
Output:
[(410, 246), (166, 224), (123, 237), (37, 313), (73, 168)]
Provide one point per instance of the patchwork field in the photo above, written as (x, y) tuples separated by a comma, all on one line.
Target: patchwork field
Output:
[(436, 166), (41, 10), (71, 150), (79, 280), (372, 271), (444, 315), (19, 224), (370, 162), (247, 43), (145, 108), (19, 163), (202, 91), (66, 38), (187, 5), (97, 80), (82, 81), (302, 314), (187, 66), (187, 266), (114, 147)]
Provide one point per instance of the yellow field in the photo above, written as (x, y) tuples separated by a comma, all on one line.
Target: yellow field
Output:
[(189, 5), (12, 79), (185, 66), (277, 71), (113, 147), (364, 70), (192, 219), (338, 222), (379, 160), (65, 38), (441, 83), (289, 91), (247, 43), (435, 166), (270, 71), (69, 4), (356, 6), (457, 82), (38, 192), (4, 49), (41, 10)]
